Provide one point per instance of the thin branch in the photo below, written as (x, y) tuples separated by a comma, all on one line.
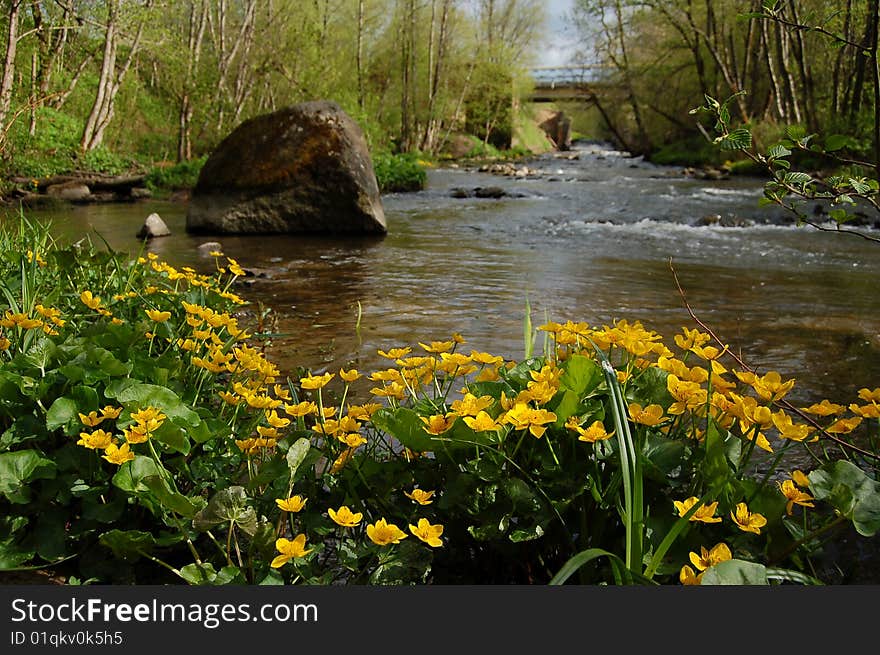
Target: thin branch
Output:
[(782, 403)]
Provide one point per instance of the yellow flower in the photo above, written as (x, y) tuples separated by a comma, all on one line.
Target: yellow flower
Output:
[(276, 421), (292, 504), (470, 405), (118, 454), (844, 425), (523, 417), (870, 395), (234, 268), (746, 520), (825, 408), (301, 409), (90, 301), (438, 423), (316, 381), (428, 533), (111, 412), (147, 414), (688, 577), (136, 434), (790, 430), (795, 496), (481, 423), (438, 346), (704, 514), (771, 386), (800, 479), (395, 353), (158, 316), (91, 420), (351, 439), (97, 440), (596, 431), (650, 415), (420, 496), (340, 462), (349, 376), (290, 550), (345, 517), (706, 558), (382, 533)]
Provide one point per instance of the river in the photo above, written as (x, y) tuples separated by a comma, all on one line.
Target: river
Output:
[(588, 239)]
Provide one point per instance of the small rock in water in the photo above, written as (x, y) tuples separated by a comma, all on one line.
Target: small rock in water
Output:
[(205, 249), (153, 227), (489, 192)]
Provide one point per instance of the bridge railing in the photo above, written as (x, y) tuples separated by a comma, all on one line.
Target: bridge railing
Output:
[(562, 76)]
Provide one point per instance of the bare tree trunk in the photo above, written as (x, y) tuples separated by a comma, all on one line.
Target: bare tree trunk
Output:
[(198, 19), (227, 53), (7, 79), (776, 90), (838, 61), (58, 99), (790, 99), (111, 79), (435, 74), (644, 141), (360, 56), (407, 64)]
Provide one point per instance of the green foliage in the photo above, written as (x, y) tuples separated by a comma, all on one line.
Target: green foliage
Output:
[(101, 160), (852, 185), (399, 172), (182, 175)]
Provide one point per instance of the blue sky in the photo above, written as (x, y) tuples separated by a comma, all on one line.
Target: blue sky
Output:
[(560, 40)]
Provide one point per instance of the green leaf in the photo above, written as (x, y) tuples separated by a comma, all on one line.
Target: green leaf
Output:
[(139, 395), (567, 406), (205, 574), (581, 375), (404, 425), (526, 534), (581, 559), (60, 412), (227, 505), (777, 151), (172, 435), (94, 365), (296, 454), (128, 544), (130, 475), (735, 572), (168, 497), (738, 139), (796, 178), (859, 186), (851, 492), (836, 142), (19, 468)]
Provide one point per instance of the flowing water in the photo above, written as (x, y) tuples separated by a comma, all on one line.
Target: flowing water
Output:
[(587, 239)]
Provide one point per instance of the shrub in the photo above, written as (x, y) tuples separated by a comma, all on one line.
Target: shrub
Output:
[(182, 175), (399, 172)]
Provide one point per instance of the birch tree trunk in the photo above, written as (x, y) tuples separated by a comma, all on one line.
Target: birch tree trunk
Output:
[(111, 79), (7, 78), (198, 20)]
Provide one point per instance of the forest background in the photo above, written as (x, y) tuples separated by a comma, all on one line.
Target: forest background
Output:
[(112, 85)]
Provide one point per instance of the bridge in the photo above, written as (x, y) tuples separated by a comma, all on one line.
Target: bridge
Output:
[(554, 83)]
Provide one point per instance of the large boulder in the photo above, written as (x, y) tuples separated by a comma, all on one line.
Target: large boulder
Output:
[(304, 169)]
